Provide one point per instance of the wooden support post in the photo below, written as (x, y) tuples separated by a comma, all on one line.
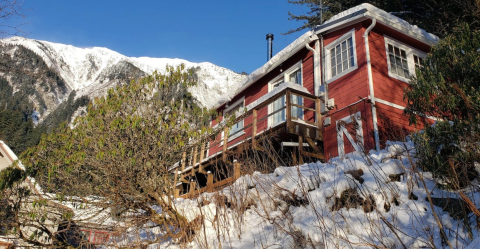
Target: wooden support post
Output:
[(318, 114), (300, 149), (202, 156), (202, 152), (254, 128), (195, 150), (236, 170), (288, 101), (184, 163), (225, 143), (176, 192), (210, 182), (192, 188)]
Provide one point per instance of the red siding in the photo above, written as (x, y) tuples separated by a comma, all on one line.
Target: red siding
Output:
[(346, 90)]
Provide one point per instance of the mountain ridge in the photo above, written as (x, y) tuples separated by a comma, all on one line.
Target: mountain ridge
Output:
[(90, 71)]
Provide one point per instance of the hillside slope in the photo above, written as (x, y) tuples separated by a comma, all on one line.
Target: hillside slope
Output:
[(379, 200)]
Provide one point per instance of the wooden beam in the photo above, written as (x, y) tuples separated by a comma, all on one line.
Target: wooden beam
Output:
[(319, 156), (210, 182), (303, 107), (312, 144), (254, 128), (288, 101)]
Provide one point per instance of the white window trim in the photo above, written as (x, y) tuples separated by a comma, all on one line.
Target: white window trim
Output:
[(328, 59), (410, 51), (238, 113), (284, 75)]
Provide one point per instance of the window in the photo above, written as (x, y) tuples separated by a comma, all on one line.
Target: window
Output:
[(398, 61), (293, 75), (402, 60), (418, 61), (341, 57), (236, 109)]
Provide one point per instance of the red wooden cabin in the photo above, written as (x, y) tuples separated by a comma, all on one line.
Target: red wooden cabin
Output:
[(336, 89)]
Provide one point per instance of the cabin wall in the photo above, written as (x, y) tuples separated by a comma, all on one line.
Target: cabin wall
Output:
[(350, 92), (260, 88), (346, 91)]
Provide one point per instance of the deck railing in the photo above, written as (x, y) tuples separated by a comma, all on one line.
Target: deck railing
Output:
[(307, 126)]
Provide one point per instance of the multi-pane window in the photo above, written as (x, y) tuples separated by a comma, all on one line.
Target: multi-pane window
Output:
[(342, 57), (418, 61), (235, 110), (398, 61), (402, 60), (296, 76)]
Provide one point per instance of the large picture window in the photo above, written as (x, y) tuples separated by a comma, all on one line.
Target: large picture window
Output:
[(402, 60), (341, 57)]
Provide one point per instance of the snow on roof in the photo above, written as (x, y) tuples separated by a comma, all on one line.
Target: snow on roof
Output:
[(275, 61), (385, 18), (343, 17)]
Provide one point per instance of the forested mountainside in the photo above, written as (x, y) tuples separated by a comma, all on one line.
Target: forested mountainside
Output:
[(43, 84)]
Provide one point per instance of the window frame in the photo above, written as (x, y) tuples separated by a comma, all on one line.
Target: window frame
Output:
[(328, 58), (238, 113), (283, 76), (410, 52)]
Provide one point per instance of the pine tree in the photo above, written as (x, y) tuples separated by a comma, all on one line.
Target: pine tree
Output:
[(122, 149), (439, 17)]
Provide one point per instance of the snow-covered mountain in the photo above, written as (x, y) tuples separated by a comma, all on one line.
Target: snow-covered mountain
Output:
[(91, 71)]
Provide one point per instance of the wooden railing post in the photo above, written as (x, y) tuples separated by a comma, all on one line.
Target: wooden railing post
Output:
[(319, 118), (202, 156), (254, 128), (210, 182), (236, 170), (195, 150), (225, 143), (288, 100), (300, 149), (184, 163)]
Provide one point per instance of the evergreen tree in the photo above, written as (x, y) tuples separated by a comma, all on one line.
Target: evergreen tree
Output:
[(122, 149), (439, 17), (448, 88)]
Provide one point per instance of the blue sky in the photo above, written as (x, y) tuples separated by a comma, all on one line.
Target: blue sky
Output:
[(227, 33)]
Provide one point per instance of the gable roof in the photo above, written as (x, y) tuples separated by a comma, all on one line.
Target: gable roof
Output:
[(368, 11), (355, 14)]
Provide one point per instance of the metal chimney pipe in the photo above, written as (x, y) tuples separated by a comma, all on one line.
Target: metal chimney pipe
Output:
[(269, 46)]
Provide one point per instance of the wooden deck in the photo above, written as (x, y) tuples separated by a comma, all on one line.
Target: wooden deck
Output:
[(303, 129)]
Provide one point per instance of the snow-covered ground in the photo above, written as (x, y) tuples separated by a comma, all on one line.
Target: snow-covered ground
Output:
[(298, 207)]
